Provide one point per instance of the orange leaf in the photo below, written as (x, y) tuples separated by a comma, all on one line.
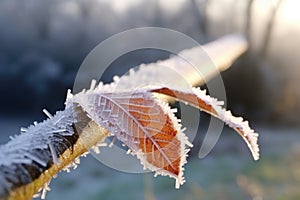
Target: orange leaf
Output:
[(143, 123), (200, 100)]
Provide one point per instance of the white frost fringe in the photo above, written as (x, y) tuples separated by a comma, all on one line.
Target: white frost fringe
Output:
[(237, 123)]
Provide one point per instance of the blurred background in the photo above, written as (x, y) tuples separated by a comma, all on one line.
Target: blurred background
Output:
[(43, 43)]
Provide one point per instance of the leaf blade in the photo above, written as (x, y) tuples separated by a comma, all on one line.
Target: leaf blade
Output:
[(143, 123), (199, 99)]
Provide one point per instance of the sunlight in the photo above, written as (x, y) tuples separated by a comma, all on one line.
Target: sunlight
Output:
[(121, 6), (289, 12)]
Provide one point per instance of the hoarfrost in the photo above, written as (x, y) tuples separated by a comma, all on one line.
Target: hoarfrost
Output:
[(40, 136)]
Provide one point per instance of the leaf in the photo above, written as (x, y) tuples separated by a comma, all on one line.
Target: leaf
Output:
[(149, 128), (145, 124), (199, 99)]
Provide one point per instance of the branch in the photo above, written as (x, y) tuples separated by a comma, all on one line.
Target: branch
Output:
[(222, 53), (30, 160)]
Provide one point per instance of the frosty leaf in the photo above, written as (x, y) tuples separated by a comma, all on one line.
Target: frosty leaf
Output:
[(143, 123), (199, 99)]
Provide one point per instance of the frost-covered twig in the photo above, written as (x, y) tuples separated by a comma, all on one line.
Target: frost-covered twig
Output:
[(31, 159)]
